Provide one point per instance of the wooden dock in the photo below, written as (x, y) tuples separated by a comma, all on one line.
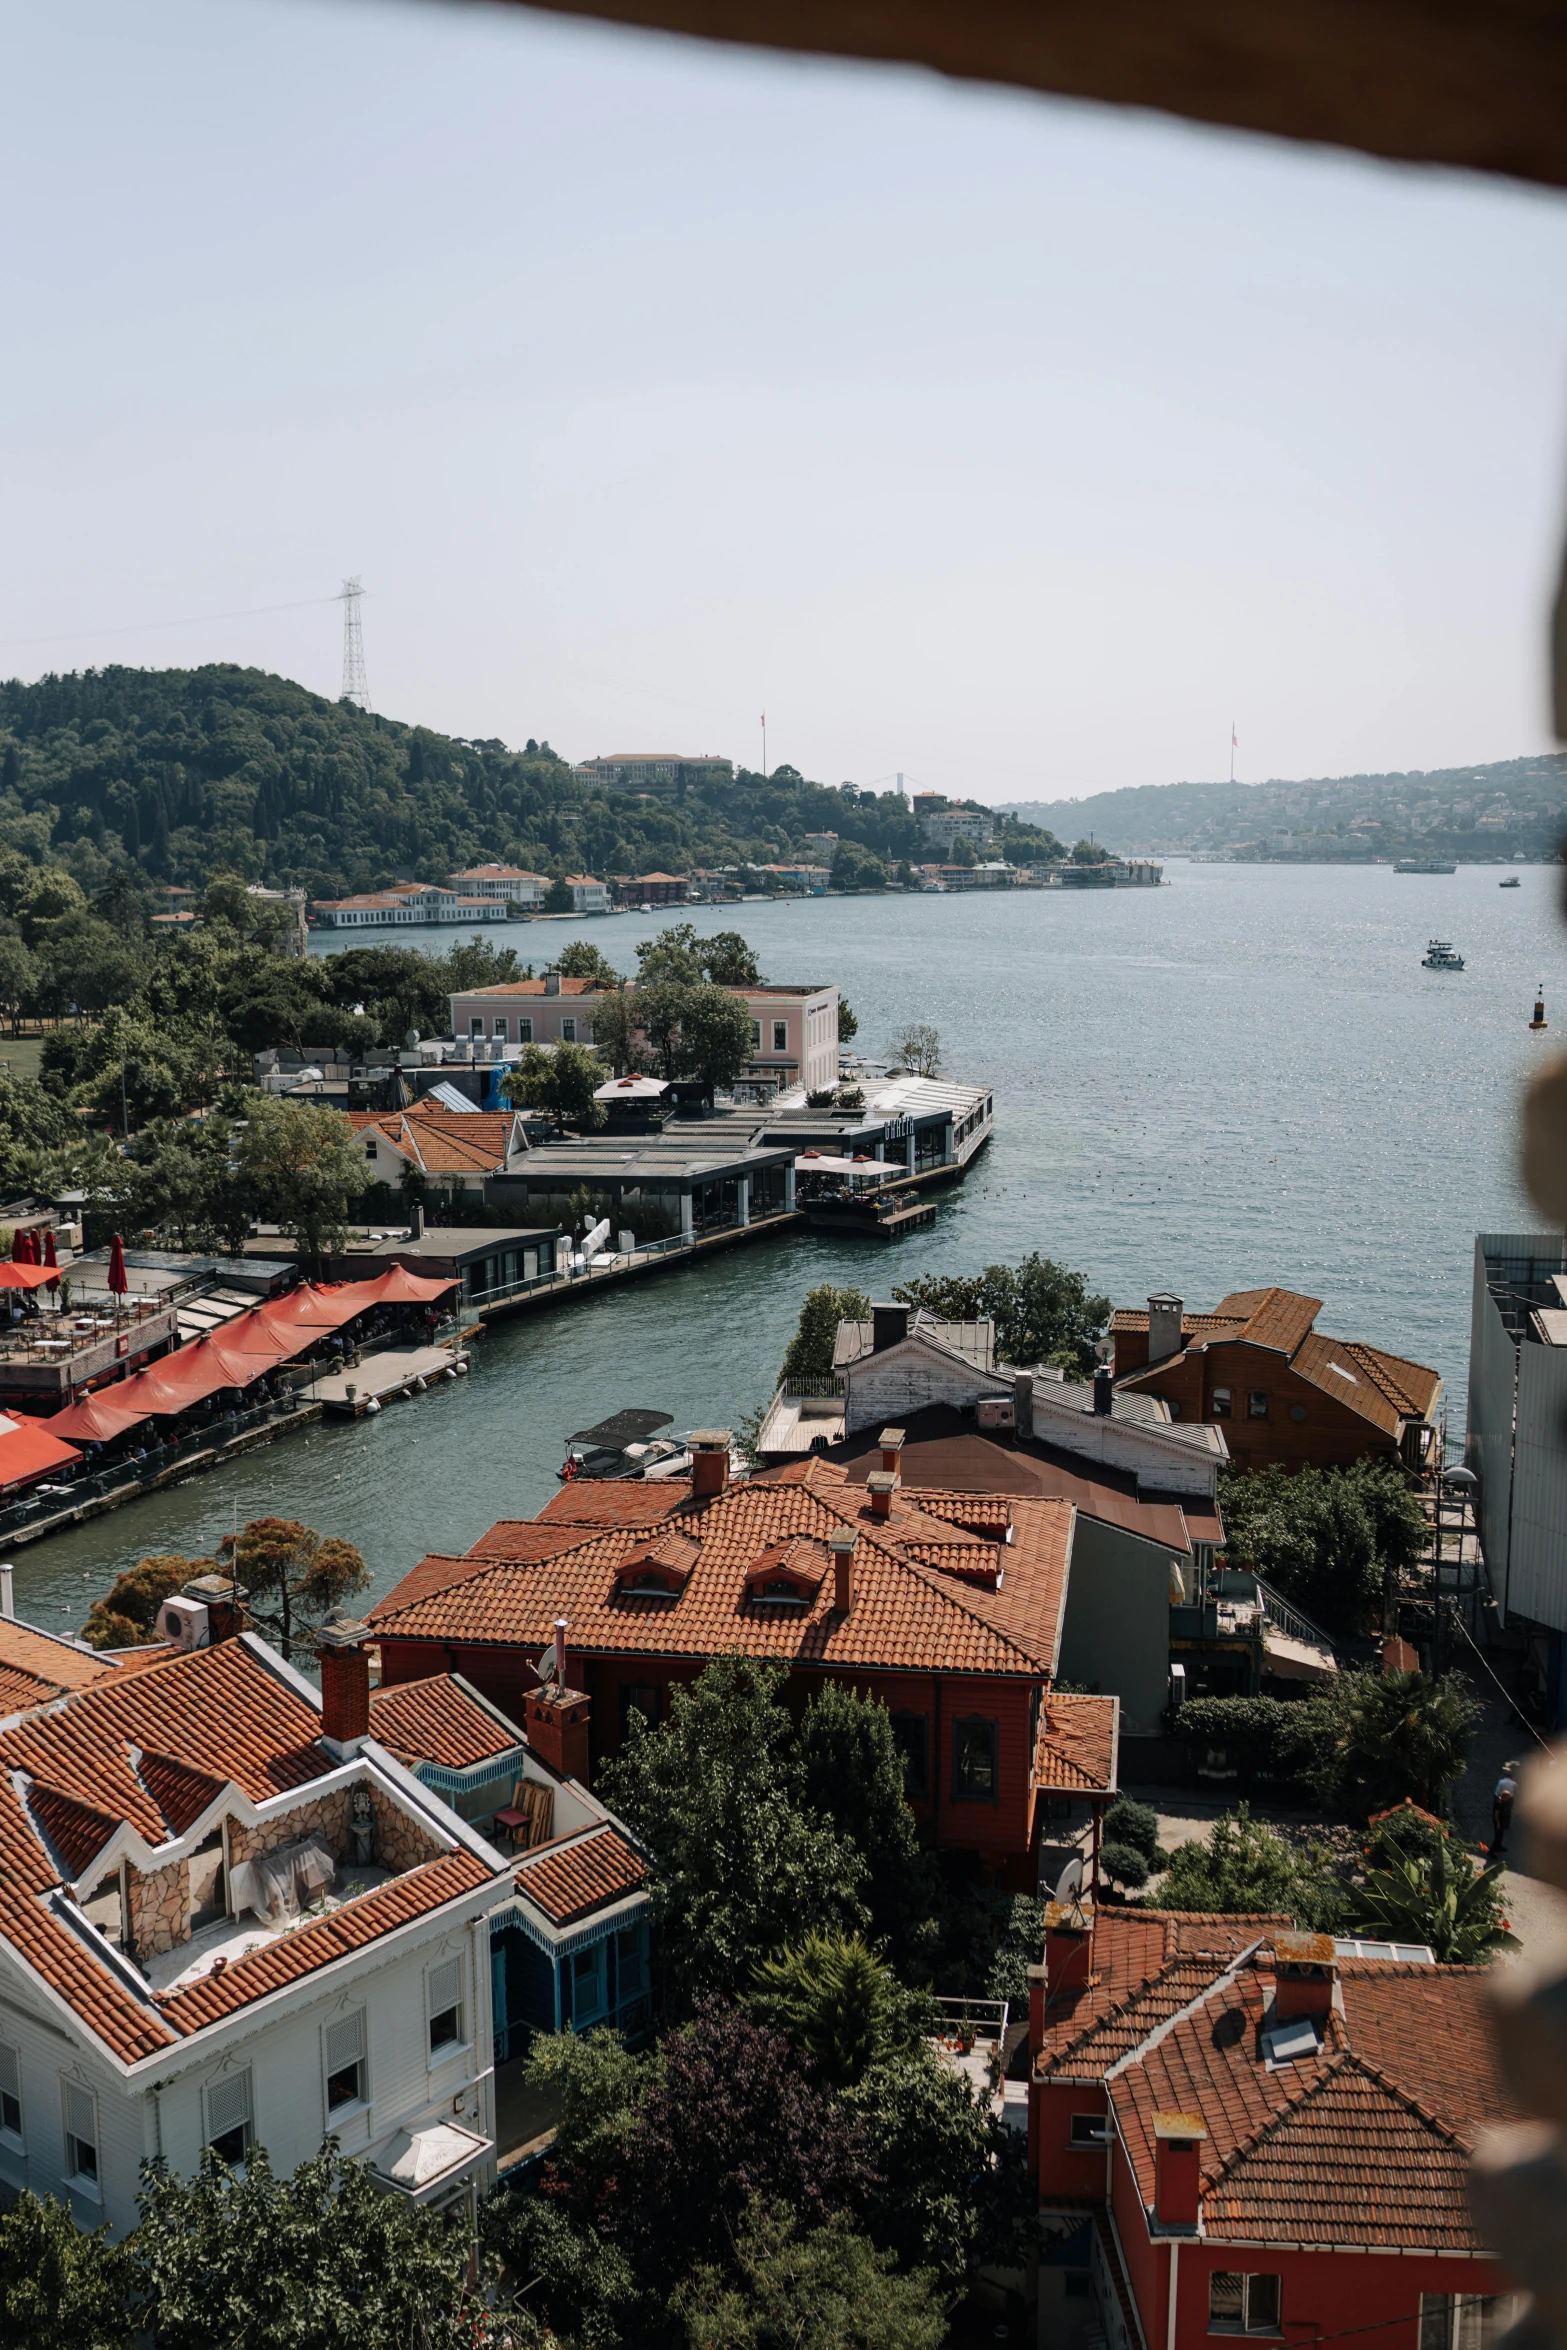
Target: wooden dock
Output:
[(886, 1224), (378, 1379)]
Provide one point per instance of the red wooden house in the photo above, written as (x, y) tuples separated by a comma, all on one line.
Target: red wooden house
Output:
[(946, 1606), (1238, 2129), (1284, 1395)]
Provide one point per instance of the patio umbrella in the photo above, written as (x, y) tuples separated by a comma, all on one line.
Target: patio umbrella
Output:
[(117, 1280), (18, 1247), (29, 1248), (50, 1257)]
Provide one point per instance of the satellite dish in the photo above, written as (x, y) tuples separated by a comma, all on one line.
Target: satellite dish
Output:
[(1070, 1882), (546, 1666), (1104, 1350)]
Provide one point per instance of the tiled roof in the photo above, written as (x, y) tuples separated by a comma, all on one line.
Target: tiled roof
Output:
[(125, 2021), (1413, 1387), (905, 1613), (511, 987), (1363, 2141), (350, 1928), (444, 1142), (1147, 1965), (229, 1716), (1333, 1367), (438, 1721), (1383, 1388), (1078, 1738), (566, 1881), (35, 1667)]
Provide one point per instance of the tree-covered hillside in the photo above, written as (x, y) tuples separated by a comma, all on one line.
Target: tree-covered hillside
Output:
[(173, 775)]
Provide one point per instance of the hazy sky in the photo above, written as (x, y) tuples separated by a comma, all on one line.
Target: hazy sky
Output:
[(1014, 444)]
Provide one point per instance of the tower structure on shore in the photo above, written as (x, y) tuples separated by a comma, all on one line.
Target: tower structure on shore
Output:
[(356, 686)]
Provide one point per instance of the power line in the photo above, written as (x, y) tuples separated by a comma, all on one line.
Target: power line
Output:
[(145, 627)]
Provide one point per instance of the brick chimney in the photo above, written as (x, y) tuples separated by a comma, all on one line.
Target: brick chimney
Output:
[(225, 1605), (842, 1545), (345, 1684), (891, 1442), (881, 1485), (1305, 1969), (556, 1717), (1165, 1336), (1069, 1946), (709, 1462), (1177, 2175)]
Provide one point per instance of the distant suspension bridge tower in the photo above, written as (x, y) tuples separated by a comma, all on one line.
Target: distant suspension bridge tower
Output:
[(356, 686)]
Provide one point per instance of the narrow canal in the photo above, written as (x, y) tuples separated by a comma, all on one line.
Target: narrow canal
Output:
[(1242, 1078)]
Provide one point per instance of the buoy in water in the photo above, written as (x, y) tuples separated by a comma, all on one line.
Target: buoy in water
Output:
[(1539, 1020), (373, 1405)]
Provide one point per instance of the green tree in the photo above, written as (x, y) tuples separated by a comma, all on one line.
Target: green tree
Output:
[(302, 1169), (856, 867), (582, 960), (1371, 1739), (1088, 852), (1043, 1312), (561, 1079), (918, 1049), (59, 2286), (1325, 1538), (951, 2189), (479, 962), (673, 959), (558, 898), (320, 2261), (963, 852), (715, 1037), (127, 1617), (740, 1866), (825, 2287), (1246, 1869), (848, 1024), (839, 2003), (18, 979), (658, 1009), (728, 960), (852, 1774), (1437, 1897), (296, 1577), (810, 1350), (617, 1034)]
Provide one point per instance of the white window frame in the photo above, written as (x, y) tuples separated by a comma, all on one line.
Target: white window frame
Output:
[(221, 2102), (329, 2070), (12, 2134), (780, 1036), (498, 1026), (756, 1036), (446, 1977), (1248, 2325), (74, 2098), (568, 1028)]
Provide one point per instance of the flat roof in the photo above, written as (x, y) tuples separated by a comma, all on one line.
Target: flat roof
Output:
[(451, 1240)]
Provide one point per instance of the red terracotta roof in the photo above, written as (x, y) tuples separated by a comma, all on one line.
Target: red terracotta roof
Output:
[(1381, 1387), (124, 2020), (566, 1881), (1147, 1964), (444, 1142), (596, 1501), (904, 1613), (1078, 1738), (965, 1461), (35, 1666), (510, 987), (438, 1721)]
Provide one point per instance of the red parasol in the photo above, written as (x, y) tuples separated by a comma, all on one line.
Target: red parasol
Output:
[(117, 1280), (18, 1247), (29, 1248), (50, 1257)]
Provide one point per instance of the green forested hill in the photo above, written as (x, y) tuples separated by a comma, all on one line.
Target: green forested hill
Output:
[(175, 774)]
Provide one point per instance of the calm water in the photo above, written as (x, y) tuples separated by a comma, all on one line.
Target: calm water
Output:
[(1244, 1077)]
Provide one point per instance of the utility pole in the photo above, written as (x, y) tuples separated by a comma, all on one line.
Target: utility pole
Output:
[(356, 686)]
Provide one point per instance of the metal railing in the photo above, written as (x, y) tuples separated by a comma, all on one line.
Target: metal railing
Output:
[(70, 1493), (611, 1260), (1290, 1621)]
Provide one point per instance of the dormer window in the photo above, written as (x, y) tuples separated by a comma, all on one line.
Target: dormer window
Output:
[(658, 1569), (787, 1574)]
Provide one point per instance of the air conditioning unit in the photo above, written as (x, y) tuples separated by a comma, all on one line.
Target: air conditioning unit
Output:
[(994, 1411), (184, 1621)]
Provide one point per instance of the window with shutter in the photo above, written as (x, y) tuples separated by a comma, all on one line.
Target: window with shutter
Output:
[(81, 2135), (345, 2061), (444, 1994), (229, 2116), (10, 2090)]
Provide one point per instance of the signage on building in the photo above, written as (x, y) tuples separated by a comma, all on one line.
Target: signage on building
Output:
[(898, 1129)]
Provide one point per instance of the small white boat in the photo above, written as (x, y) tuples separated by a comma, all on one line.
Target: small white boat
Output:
[(1439, 956), (1511, 882)]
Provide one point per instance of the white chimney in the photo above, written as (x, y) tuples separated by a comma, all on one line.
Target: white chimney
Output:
[(7, 1593), (1164, 1328)]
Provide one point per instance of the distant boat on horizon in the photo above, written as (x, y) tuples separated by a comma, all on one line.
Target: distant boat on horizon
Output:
[(1439, 956), (1511, 882), (1423, 865)]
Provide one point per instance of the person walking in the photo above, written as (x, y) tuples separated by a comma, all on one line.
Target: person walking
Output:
[(1502, 1807)]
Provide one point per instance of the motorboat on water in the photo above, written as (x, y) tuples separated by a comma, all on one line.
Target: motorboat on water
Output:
[(625, 1445), (1510, 883), (1439, 956)]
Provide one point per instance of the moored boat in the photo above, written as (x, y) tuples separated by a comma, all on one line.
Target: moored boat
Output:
[(1439, 956)]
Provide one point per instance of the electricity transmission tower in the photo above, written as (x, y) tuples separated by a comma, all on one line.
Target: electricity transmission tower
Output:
[(356, 686)]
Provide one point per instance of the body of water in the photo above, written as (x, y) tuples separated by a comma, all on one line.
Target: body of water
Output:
[(1242, 1078)]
